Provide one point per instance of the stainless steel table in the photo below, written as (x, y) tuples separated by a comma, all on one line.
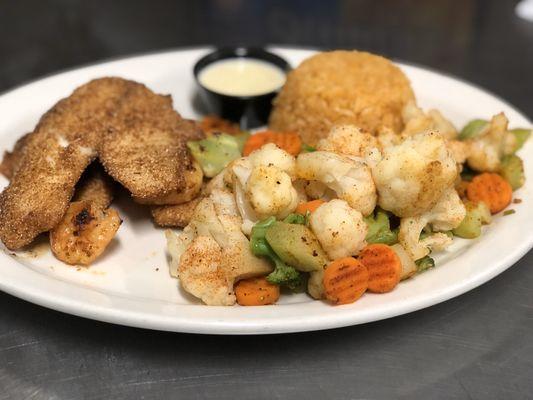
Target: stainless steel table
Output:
[(477, 346)]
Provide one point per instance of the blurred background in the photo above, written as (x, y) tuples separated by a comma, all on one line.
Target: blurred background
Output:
[(480, 40)]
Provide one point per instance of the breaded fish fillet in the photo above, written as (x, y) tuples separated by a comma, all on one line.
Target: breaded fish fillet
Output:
[(53, 158), (145, 150), (177, 216), (11, 160), (95, 185), (137, 133)]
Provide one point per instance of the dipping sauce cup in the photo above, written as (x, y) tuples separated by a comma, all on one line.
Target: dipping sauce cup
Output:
[(239, 83)]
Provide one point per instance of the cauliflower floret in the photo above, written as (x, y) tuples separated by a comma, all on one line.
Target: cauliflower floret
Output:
[(315, 284), (270, 154), (339, 228), (262, 184), (442, 125), (300, 185), (348, 177), (212, 253), (493, 142), (416, 121), (446, 215), (270, 192), (387, 137), (348, 140), (411, 177), (318, 190), (459, 150), (255, 183)]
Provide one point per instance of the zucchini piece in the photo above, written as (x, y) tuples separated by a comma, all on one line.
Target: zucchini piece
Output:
[(477, 214), (473, 129), (215, 153), (297, 246), (512, 170), (521, 135)]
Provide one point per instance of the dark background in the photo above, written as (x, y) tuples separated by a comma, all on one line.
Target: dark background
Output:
[(477, 346)]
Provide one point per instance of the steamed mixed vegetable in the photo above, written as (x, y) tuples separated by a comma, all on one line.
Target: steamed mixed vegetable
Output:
[(356, 213)]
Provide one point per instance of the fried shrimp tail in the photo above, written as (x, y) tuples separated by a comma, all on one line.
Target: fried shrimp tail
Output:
[(84, 233)]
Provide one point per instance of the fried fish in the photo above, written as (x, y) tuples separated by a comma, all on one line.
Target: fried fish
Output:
[(54, 156), (11, 160), (139, 138), (145, 147), (175, 216)]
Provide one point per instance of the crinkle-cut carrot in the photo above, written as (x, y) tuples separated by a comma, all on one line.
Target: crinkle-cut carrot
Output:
[(492, 189), (310, 206), (383, 265), (345, 280), (288, 141), (256, 292)]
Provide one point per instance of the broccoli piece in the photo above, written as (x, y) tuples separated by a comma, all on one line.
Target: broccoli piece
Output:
[(379, 230), (307, 148), (283, 274), (215, 153), (298, 219), (472, 129), (424, 264)]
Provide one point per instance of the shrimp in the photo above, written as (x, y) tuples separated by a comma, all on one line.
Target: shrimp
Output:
[(84, 233)]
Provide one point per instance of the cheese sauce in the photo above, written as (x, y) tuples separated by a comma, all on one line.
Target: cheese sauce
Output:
[(242, 77)]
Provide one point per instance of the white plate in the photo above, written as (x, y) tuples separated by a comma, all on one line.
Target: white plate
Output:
[(130, 285)]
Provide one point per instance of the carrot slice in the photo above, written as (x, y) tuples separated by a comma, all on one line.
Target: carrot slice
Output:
[(345, 280), (310, 206), (256, 292), (492, 189), (383, 265), (288, 141)]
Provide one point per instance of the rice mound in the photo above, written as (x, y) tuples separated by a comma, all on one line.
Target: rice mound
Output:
[(341, 87)]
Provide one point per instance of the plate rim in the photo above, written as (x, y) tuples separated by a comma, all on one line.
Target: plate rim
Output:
[(145, 320)]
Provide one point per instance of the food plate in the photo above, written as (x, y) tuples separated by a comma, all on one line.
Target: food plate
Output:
[(130, 284)]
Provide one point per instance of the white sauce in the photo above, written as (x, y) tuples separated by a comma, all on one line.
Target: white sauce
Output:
[(242, 77)]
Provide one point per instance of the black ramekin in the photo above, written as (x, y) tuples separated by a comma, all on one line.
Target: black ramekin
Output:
[(249, 111)]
